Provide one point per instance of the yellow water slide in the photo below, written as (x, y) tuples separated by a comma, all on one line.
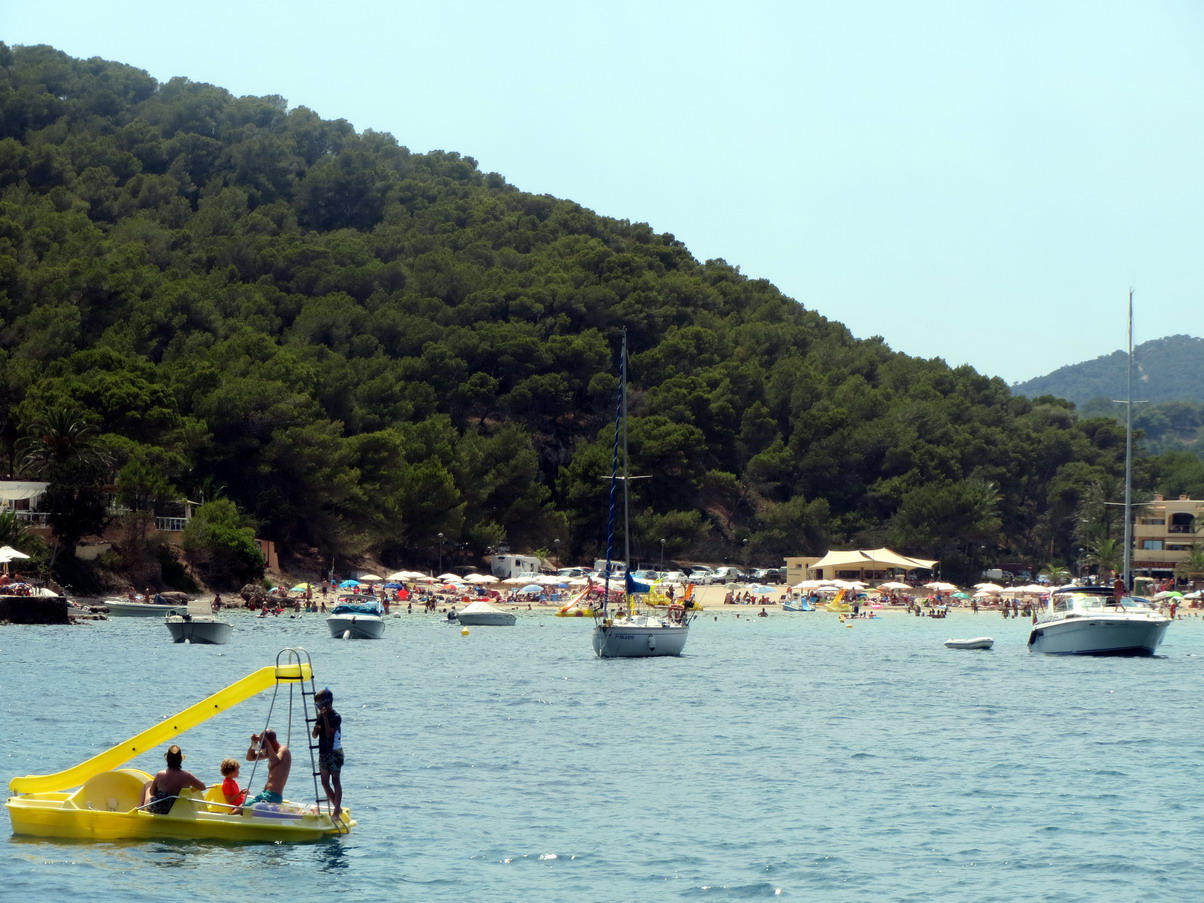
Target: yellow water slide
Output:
[(110, 759)]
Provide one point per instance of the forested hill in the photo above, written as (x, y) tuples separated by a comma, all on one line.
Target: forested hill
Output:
[(1167, 369), (359, 347)]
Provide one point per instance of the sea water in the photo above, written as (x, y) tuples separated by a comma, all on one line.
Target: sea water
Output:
[(790, 756)]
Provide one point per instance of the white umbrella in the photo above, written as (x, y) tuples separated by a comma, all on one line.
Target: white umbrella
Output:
[(369, 578), (8, 553), (941, 587), (479, 578), (989, 587), (450, 578), (894, 585)]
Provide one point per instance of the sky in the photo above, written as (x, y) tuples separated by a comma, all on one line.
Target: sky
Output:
[(978, 181)]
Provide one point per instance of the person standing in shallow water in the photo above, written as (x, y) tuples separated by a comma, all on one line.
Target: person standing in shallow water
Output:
[(329, 731)]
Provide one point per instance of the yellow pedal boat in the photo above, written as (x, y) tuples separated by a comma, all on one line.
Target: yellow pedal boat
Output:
[(105, 801)]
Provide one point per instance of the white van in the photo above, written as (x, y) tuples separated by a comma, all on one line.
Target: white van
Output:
[(505, 566), (618, 569), (728, 575)]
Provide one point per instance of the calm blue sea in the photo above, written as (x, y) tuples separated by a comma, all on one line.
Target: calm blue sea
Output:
[(786, 756)]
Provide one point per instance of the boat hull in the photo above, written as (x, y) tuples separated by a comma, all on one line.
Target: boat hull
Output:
[(53, 815), (488, 619), (979, 642), (121, 609), (199, 630), (1098, 636), (356, 627), (625, 641)]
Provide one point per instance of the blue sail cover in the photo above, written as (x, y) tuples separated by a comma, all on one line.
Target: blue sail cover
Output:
[(634, 587)]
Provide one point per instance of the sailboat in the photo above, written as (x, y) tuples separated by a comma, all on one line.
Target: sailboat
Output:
[(1098, 620), (621, 630)]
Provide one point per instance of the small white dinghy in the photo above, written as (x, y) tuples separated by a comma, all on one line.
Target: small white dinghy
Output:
[(978, 642)]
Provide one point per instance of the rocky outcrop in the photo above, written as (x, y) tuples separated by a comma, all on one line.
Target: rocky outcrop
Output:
[(33, 610)]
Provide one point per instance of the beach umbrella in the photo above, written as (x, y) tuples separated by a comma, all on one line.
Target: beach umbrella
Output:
[(894, 585), (1169, 594), (531, 588), (450, 578), (348, 584), (8, 553), (480, 578), (989, 587), (961, 595), (370, 578), (941, 587), (392, 584), (301, 587)]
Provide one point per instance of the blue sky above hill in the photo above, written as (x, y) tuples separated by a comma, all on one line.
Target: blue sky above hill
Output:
[(981, 182)]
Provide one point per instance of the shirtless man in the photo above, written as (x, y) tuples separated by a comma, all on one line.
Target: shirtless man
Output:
[(280, 760)]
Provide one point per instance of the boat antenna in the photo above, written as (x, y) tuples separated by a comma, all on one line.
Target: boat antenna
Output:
[(1129, 458)]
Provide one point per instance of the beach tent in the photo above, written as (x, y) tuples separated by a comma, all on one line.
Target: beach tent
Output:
[(869, 560)]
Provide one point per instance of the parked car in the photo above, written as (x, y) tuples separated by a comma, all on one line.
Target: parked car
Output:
[(769, 575), (729, 575), (701, 574), (673, 577), (573, 572)]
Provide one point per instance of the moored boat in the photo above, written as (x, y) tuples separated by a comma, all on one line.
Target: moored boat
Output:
[(125, 608), (631, 633), (363, 619), (978, 642), (1092, 620), (204, 629), (482, 614)]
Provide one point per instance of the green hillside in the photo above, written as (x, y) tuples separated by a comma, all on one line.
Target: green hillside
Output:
[(344, 346), (1166, 369)]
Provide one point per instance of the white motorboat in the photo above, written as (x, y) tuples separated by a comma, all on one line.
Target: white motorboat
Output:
[(978, 642), (124, 608), (481, 614), (1102, 620), (360, 620), (204, 629), (631, 634), (1090, 620)]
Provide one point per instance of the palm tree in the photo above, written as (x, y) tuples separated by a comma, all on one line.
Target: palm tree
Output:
[(1192, 566), (1056, 573), (1107, 555), (59, 436)]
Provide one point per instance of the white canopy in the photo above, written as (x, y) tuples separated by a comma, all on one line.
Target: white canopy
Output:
[(8, 553), (480, 607), (873, 559)]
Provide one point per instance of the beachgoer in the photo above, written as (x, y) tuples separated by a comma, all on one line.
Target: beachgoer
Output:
[(279, 759), (1118, 589), (329, 731), (230, 789), (160, 792)]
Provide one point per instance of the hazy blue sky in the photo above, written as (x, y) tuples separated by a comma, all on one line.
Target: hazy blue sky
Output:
[(977, 181)]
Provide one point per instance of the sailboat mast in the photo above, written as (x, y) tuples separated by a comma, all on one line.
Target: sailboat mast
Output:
[(1129, 458), (626, 468)]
